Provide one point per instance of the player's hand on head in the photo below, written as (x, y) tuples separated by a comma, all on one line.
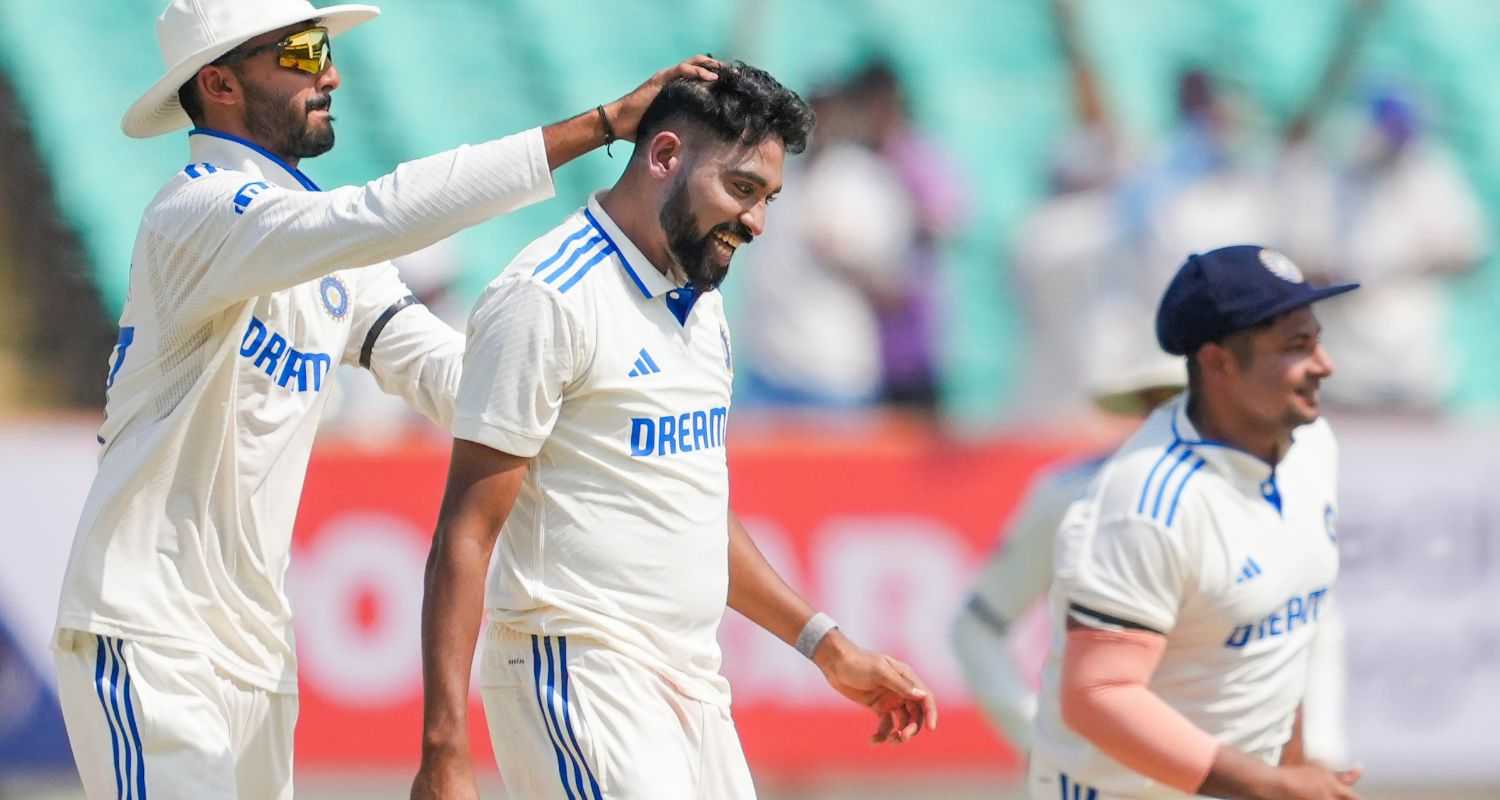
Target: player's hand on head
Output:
[(625, 114), (886, 686)]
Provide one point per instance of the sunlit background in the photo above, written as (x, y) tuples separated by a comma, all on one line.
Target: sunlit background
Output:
[(998, 192)]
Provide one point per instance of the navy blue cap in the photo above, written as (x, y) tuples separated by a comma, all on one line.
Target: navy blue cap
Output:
[(1230, 289)]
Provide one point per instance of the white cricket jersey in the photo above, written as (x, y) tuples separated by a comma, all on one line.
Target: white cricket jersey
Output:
[(1229, 558), (247, 287), (615, 382)]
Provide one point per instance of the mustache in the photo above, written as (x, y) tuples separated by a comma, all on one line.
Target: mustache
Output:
[(321, 102), (736, 228)]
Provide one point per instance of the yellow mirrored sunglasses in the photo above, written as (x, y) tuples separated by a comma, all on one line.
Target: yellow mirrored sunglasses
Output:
[(307, 50)]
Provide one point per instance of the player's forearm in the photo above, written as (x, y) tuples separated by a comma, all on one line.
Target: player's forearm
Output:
[(577, 135), (756, 591), (452, 609), (1235, 774)]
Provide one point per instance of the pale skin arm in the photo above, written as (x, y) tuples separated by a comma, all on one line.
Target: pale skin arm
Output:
[(1107, 700), (582, 133), (482, 488), (881, 683)]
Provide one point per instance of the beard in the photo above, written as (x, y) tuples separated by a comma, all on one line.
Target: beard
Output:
[(695, 253), (273, 119)]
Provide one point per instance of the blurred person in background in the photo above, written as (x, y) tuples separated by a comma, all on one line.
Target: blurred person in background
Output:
[(1072, 270), (589, 474), (1405, 221), (910, 318), (1019, 571), (817, 280), (174, 646), (1189, 584)]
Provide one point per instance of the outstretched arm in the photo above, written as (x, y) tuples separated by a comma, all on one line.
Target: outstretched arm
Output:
[(878, 682), (482, 488), (582, 133)]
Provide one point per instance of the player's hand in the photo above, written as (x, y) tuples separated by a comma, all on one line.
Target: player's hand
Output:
[(880, 683), (1316, 782), (625, 114), (445, 777)]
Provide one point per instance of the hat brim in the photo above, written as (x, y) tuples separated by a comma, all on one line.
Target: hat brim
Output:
[(158, 112), (1301, 300)]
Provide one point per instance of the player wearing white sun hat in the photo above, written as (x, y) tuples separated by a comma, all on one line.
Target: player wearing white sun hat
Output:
[(175, 654)]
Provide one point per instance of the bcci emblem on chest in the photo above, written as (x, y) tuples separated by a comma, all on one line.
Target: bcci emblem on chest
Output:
[(335, 297)]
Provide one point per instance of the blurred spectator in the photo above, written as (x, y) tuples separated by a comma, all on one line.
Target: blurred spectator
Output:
[(1070, 259), (835, 246), (910, 332), (1405, 219)]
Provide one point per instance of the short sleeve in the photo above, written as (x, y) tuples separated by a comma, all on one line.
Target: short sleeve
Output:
[(520, 358), (1129, 573)]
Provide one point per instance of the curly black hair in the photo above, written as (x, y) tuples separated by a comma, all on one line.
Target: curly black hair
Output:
[(745, 105)]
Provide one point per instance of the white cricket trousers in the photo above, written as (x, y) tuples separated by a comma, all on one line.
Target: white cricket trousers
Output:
[(153, 723), (570, 718)]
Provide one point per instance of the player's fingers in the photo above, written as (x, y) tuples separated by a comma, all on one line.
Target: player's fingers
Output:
[(898, 677), (1349, 777), (900, 722), (883, 730)]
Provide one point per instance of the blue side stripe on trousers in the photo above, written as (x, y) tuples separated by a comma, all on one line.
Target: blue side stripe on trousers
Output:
[(562, 656), (536, 674), (114, 741), (552, 712), (114, 703), (135, 732), (1080, 792)]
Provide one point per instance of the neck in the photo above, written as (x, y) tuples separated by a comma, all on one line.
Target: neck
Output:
[(1213, 420), (637, 221), (239, 131)]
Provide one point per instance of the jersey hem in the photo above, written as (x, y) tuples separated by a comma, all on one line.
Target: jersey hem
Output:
[(229, 665)]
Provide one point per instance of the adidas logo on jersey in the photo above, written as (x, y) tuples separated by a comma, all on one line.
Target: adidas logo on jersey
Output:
[(644, 365), (1248, 571)]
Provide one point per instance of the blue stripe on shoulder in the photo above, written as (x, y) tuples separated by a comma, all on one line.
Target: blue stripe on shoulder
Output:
[(1140, 507), (573, 259), (584, 270), (1172, 512), (573, 237), (1161, 488)]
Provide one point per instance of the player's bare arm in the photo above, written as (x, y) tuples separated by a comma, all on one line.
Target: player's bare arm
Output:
[(482, 488), (1106, 698), (881, 683), (580, 134)]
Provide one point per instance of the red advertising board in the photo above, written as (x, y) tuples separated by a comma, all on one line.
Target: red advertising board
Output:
[(882, 530)]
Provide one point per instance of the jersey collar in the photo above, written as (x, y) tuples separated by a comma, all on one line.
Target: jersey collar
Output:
[(231, 152), (1223, 457), (646, 277)]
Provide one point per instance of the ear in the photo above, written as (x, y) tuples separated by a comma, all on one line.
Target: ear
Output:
[(664, 154), (218, 86), (1216, 359)]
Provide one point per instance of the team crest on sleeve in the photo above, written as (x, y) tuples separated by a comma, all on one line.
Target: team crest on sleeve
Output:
[(728, 353), (335, 296), (1280, 266)]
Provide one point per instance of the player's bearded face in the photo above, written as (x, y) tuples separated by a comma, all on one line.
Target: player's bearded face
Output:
[(291, 122), (702, 252)]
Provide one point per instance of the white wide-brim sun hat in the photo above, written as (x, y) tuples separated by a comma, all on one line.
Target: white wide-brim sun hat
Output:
[(192, 33)]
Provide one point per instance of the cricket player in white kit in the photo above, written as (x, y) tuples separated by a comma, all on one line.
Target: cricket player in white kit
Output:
[(1190, 582), (589, 440), (1018, 572), (175, 653)]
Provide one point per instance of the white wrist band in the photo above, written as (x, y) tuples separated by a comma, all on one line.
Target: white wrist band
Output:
[(813, 633)]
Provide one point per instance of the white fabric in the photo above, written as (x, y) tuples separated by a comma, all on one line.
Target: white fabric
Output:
[(1179, 535), (842, 231), (192, 33), (620, 532), (1013, 579), (245, 291), (146, 721), (565, 711)]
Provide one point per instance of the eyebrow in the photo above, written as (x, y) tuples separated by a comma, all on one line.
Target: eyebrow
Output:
[(749, 176)]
